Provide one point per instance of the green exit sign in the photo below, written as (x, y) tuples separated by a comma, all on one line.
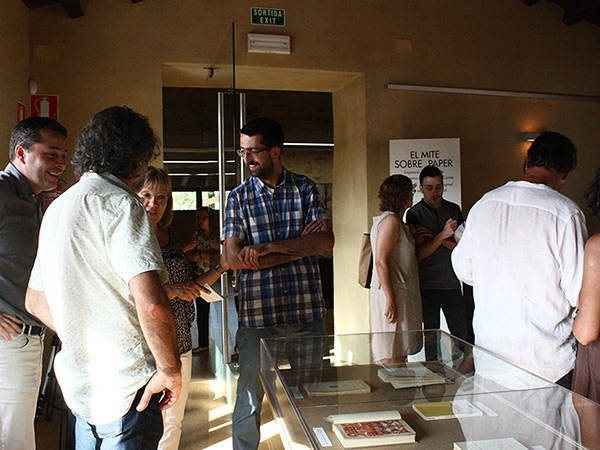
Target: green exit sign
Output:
[(268, 16)]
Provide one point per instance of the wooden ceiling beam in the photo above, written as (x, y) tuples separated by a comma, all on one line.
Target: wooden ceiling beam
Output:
[(72, 7), (578, 11), (530, 2)]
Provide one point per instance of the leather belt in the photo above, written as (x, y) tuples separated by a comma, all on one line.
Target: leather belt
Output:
[(32, 330)]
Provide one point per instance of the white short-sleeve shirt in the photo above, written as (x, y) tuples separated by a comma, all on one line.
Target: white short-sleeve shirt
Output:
[(522, 250), (94, 239)]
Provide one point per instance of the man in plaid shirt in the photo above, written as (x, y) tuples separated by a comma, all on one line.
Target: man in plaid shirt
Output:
[(274, 229)]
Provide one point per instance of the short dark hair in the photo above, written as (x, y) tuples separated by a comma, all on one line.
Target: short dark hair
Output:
[(116, 140), (27, 132), (430, 171), (160, 178), (270, 131), (554, 151), (394, 192)]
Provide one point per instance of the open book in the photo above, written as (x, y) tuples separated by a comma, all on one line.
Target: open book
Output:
[(412, 375), (371, 428), (446, 410), (337, 388)]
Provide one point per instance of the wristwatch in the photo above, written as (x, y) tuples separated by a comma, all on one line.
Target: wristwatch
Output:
[(219, 269)]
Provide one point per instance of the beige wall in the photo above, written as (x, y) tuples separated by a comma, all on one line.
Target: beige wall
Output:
[(14, 69), (115, 55)]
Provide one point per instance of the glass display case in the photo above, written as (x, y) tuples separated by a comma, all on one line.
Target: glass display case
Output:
[(452, 395)]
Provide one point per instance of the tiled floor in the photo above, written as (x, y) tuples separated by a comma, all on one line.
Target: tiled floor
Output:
[(207, 421)]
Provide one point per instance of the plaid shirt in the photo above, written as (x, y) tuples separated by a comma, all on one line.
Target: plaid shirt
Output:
[(289, 293)]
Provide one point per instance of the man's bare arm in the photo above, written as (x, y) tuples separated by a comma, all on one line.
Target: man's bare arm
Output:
[(318, 237), (36, 303), (429, 246), (158, 326)]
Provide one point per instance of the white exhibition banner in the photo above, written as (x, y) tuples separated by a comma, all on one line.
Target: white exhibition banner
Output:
[(409, 156)]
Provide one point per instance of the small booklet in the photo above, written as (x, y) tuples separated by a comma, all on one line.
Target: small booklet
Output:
[(446, 410), (337, 388), (213, 296), (371, 428), (490, 444), (413, 375)]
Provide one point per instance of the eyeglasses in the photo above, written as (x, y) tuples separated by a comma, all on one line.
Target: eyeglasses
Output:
[(158, 198), (250, 150)]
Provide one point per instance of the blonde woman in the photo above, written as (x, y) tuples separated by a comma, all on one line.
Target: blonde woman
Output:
[(183, 287)]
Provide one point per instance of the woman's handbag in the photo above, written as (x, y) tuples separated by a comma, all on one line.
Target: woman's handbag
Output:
[(365, 262)]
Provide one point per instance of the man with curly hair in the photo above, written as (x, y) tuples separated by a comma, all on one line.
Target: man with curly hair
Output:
[(522, 250), (97, 282)]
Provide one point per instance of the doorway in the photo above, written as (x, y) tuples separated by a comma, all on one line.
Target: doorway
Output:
[(190, 133)]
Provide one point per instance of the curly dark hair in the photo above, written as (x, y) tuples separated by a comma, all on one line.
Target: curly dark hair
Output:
[(592, 194), (116, 140), (554, 151), (394, 192)]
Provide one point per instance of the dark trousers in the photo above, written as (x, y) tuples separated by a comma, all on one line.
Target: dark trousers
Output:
[(469, 311), (452, 303), (304, 354), (135, 430), (202, 313)]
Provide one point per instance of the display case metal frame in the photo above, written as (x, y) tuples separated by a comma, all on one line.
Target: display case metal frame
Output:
[(513, 402)]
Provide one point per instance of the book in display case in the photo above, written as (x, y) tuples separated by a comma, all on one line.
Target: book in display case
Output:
[(328, 392)]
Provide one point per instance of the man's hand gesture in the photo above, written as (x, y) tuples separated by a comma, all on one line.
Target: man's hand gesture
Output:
[(160, 381)]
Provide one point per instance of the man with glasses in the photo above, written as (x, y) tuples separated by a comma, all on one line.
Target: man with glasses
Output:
[(274, 229)]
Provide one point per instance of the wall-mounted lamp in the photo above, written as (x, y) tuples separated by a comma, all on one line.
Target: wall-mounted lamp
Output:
[(529, 137), (268, 43)]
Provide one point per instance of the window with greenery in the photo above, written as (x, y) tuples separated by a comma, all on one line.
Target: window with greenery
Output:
[(184, 201)]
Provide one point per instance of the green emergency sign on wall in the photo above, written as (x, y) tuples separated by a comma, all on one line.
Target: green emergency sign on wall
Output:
[(268, 16)]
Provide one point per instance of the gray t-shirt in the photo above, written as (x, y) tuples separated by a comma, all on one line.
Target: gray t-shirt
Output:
[(94, 239), (19, 228), (435, 271)]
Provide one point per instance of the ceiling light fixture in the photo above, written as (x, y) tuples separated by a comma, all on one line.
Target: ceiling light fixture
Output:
[(268, 43)]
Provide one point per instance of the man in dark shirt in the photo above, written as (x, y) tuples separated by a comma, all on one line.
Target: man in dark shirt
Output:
[(436, 220), (37, 155)]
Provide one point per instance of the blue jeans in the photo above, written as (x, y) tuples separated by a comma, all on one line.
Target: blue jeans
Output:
[(248, 403), (135, 430)]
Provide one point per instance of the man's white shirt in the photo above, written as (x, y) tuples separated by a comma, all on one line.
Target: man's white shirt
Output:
[(522, 250), (94, 239)]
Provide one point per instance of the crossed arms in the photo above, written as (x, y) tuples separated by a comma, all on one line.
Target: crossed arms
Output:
[(427, 243), (316, 237)]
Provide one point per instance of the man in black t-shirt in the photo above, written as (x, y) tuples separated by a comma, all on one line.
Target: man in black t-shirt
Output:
[(436, 220)]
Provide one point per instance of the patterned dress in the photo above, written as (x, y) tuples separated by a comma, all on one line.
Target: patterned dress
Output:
[(180, 269)]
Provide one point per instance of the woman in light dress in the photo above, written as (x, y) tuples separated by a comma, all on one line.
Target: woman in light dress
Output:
[(395, 296)]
